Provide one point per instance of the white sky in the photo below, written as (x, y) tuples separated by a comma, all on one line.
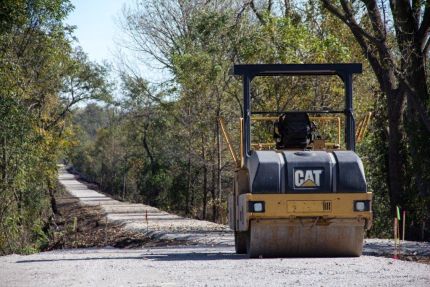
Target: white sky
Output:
[(96, 28)]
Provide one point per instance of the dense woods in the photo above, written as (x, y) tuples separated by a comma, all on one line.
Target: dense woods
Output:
[(41, 78), (161, 144)]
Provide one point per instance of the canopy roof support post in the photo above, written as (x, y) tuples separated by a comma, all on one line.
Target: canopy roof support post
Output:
[(349, 113), (247, 115)]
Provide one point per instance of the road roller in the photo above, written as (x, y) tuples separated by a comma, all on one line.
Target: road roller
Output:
[(299, 195)]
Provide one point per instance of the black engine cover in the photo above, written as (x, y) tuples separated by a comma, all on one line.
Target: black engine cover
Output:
[(305, 172)]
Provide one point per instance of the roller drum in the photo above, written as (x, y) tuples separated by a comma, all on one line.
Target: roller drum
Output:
[(313, 237)]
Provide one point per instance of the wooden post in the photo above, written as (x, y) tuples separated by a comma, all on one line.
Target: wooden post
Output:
[(146, 218), (228, 141), (398, 237), (106, 226)]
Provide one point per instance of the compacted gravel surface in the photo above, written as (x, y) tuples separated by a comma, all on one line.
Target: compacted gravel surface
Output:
[(207, 257), (202, 266), (146, 219)]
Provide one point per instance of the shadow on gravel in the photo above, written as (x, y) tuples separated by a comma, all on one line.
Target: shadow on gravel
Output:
[(154, 256), (194, 256), (140, 214), (80, 259)]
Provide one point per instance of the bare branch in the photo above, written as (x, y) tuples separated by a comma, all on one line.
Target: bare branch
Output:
[(258, 14), (269, 6), (425, 25), (348, 18), (426, 48), (376, 20), (287, 8), (416, 11), (357, 31), (404, 21)]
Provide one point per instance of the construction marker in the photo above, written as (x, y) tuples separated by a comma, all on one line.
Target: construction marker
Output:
[(146, 218), (395, 237), (398, 225), (398, 212)]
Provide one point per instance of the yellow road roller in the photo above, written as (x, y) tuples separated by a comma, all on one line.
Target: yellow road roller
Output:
[(299, 195)]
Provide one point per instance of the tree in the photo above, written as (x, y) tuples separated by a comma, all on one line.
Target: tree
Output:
[(36, 55), (394, 37), (198, 42)]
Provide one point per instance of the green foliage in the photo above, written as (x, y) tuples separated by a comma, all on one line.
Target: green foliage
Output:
[(164, 148), (374, 160), (37, 63), (404, 179), (161, 144)]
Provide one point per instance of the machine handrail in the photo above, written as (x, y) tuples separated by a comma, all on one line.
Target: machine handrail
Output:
[(337, 119)]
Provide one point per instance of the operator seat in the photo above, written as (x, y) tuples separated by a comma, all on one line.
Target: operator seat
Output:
[(295, 131)]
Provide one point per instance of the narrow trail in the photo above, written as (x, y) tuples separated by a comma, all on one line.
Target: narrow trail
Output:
[(148, 220)]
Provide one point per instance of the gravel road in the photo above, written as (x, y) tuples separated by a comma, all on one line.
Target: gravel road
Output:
[(211, 261), (146, 219), (202, 266)]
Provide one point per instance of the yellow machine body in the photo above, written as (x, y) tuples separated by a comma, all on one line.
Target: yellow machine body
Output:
[(300, 224), (325, 207)]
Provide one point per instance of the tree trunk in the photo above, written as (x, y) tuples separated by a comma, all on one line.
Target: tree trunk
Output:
[(4, 160), (187, 194), (124, 183), (205, 179), (417, 130), (219, 163), (213, 193), (395, 158), (53, 201)]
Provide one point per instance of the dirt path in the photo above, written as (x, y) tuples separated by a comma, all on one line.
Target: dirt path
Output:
[(81, 226)]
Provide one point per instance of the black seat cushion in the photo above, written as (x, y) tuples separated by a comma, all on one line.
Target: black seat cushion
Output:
[(295, 131)]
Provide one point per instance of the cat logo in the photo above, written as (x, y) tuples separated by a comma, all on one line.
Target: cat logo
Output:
[(307, 178)]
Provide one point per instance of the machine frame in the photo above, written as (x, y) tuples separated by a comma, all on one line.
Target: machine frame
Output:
[(295, 210), (344, 71)]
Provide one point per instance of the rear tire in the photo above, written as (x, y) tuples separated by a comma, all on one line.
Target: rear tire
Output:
[(240, 239)]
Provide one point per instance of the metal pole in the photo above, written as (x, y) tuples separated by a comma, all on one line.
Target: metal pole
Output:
[(404, 225), (349, 121), (247, 115)]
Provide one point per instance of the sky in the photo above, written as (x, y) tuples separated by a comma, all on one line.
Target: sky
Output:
[(96, 26), (97, 29)]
